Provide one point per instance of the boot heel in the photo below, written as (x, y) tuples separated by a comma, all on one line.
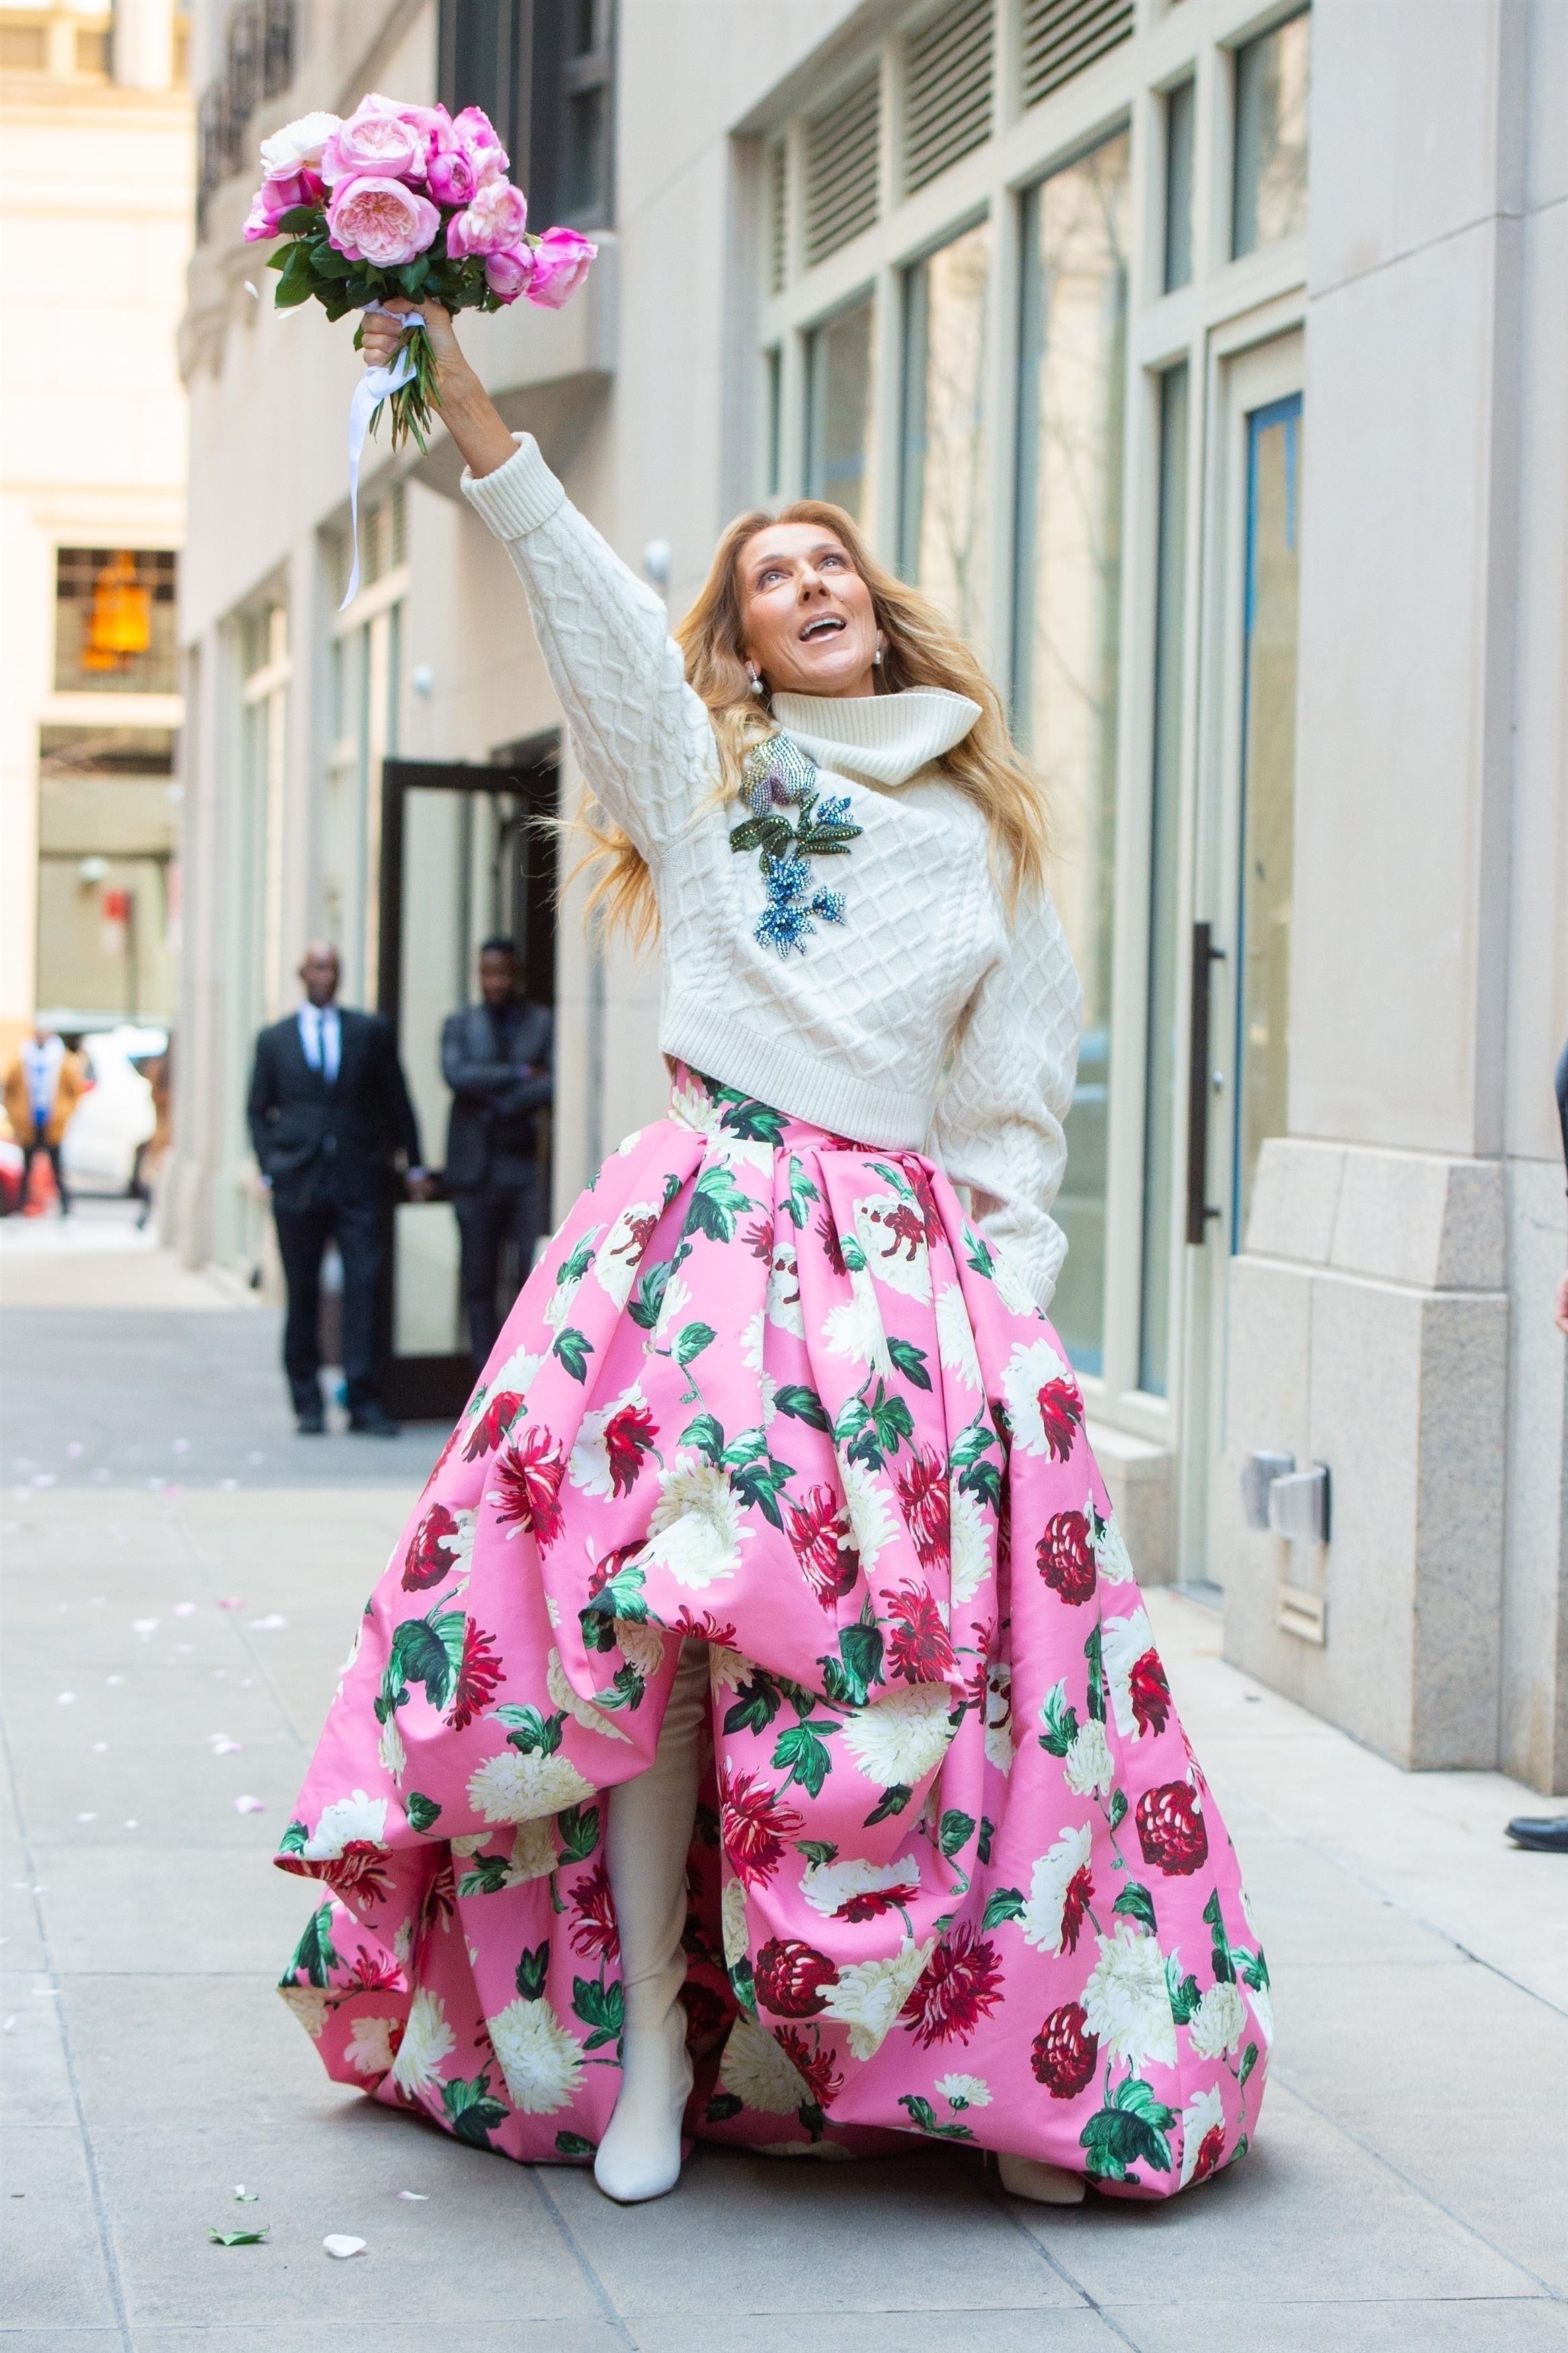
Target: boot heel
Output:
[(1045, 2185)]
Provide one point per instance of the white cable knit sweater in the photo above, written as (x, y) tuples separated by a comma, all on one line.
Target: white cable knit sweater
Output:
[(925, 975)]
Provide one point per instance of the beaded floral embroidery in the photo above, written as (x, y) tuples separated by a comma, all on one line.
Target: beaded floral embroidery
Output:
[(777, 775)]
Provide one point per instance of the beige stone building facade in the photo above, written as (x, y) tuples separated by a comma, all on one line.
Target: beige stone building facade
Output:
[(95, 224), (1208, 361)]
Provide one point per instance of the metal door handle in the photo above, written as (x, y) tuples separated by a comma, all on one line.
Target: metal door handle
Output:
[(1204, 954)]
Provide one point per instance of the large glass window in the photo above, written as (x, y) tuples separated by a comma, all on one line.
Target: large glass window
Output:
[(543, 72), (1271, 84), (1164, 822), (1268, 787), (941, 526), (365, 688), (1067, 634), (1181, 124), (114, 620), (840, 408)]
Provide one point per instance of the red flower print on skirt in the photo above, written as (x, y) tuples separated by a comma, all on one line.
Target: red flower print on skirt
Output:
[(1170, 1831), (527, 1492), (793, 1978), (1066, 2052), (1065, 1556), (1150, 1693), (962, 1985), (433, 1550), (754, 1824)]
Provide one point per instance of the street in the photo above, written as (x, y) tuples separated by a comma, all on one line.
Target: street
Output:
[(182, 1574)]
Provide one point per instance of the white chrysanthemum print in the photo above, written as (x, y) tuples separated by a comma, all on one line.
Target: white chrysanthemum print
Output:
[(1262, 2000), (970, 1541), (642, 1646), (1112, 1556), (1033, 1365), (733, 1917), (1204, 2114), (1042, 1917), (516, 1376), (1123, 1643), (591, 1719), (757, 2074), (427, 2044), (513, 1788), (785, 1309), (1086, 1767), (390, 1753), (999, 1715), (471, 1842), (628, 1144), (869, 1995), (309, 2004), (829, 1886), (1012, 1283), (853, 1327), (892, 1232), (1128, 2003), (963, 2092), (619, 1256), (533, 1852), (370, 2045), (695, 1530), (672, 1310), (558, 1306), (726, 1669), (955, 1337), (899, 1739), (872, 1523), (542, 2062), (344, 1820), (752, 1344), (1219, 2022)]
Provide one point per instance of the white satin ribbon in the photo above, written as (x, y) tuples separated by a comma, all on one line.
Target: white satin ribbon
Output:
[(372, 389)]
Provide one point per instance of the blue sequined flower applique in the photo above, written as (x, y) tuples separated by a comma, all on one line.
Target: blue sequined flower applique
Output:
[(779, 774)]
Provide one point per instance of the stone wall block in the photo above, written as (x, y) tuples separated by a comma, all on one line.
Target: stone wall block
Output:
[(1408, 1217), (1268, 1352), (1295, 1200), (1533, 1734), (1460, 1529)]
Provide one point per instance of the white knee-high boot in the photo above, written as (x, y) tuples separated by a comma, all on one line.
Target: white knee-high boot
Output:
[(1046, 2185), (649, 1832)]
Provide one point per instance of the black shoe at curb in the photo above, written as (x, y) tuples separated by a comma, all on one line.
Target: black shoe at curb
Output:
[(311, 1425), (1543, 1834), (371, 1421)]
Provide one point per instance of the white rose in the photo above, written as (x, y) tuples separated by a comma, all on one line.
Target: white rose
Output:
[(297, 143)]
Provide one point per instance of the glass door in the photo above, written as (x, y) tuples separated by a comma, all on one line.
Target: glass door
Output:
[(1238, 985), (464, 857)]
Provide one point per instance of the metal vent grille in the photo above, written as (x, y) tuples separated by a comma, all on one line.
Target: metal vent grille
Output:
[(947, 89), (841, 162), (1059, 37), (778, 218)]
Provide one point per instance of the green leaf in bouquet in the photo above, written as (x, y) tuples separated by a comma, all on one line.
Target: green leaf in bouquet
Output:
[(329, 261), (414, 274), (298, 220), (294, 285)]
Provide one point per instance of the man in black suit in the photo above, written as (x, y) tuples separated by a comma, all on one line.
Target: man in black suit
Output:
[(496, 1058), (329, 1113)]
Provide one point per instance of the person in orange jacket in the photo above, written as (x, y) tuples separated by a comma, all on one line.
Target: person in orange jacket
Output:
[(42, 1089)]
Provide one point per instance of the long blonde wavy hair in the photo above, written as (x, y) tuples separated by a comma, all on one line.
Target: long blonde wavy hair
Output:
[(920, 648)]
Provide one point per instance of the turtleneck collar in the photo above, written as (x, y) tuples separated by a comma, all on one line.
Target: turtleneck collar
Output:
[(886, 737)]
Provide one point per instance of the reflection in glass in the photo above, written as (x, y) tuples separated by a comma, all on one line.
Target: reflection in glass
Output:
[(1164, 818), (1067, 635), (1181, 113), (365, 681), (1268, 788), (1271, 84), (839, 409), (772, 364), (942, 534)]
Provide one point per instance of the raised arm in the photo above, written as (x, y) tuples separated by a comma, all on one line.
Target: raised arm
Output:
[(642, 737), (999, 1126)]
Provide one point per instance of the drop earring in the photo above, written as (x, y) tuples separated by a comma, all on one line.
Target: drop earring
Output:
[(755, 677)]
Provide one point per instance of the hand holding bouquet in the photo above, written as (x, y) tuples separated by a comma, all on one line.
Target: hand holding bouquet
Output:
[(405, 202)]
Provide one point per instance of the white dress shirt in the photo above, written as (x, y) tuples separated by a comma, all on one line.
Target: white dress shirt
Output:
[(320, 1037)]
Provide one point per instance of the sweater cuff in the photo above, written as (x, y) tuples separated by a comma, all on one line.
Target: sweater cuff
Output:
[(518, 496)]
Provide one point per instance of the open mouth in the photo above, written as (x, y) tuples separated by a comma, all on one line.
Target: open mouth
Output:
[(824, 624)]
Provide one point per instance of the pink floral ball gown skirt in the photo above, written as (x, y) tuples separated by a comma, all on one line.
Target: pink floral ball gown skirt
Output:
[(955, 1869)]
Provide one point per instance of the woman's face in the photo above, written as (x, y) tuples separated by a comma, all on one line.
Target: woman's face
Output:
[(806, 617)]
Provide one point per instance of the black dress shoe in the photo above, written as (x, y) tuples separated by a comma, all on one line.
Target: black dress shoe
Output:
[(374, 1421), (311, 1425), (1547, 1833)]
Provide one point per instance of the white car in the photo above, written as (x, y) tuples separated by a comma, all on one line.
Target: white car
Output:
[(116, 1116)]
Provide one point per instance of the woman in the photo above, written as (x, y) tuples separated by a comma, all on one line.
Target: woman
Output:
[(760, 1699)]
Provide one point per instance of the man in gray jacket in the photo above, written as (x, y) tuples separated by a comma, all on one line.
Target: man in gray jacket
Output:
[(496, 1058)]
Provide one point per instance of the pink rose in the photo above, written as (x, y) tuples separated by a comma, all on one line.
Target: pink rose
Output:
[(477, 135), (274, 197), (507, 274), (491, 223), (375, 144), (450, 175), (560, 261), (381, 221)]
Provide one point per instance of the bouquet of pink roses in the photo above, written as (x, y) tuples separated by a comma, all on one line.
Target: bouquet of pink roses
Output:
[(411, 201)]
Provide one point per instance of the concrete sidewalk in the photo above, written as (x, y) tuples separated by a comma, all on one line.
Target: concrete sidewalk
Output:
[(1408, 2190)]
